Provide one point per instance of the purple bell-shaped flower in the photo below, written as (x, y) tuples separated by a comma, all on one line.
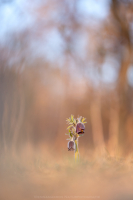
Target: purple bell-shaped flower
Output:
[(71, 146), (80, 128)]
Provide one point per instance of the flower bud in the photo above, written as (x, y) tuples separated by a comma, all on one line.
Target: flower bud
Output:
[(71, 146), (80, 128)]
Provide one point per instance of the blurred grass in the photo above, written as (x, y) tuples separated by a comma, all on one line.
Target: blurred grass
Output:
[(26, 178)]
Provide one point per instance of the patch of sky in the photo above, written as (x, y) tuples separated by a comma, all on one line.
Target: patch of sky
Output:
[(92, 74), (97, 9), (130, 75), (109, 72), (50, 46), (80, 44), (13, 17), (105, 74)]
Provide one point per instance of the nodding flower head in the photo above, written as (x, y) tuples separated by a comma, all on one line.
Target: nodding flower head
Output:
[(80, 128), (71, 146)]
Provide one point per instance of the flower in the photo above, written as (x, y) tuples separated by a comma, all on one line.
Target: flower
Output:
[(71, 146), (80, 128)]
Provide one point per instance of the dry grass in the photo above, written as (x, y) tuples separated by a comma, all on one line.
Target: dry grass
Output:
[(43, 176)]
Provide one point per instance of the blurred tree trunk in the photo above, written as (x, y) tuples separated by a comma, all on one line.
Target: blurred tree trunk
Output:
[(4, 126), (19, 118), (124, 36), (113, 129), (123, 27), (97, 127)]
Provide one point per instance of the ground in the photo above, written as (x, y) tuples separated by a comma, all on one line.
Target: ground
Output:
[(45, 177)]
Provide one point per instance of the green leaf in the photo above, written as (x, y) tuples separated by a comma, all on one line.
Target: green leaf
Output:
[(72, 118), (74, 121), (69, 126), (68, 120), (83, 119), (71, 134)]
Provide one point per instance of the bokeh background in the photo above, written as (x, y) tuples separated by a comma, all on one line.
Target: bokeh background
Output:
[(57, 58)]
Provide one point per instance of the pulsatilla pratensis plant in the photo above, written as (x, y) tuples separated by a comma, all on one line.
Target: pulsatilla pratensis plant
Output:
[(76, 129)]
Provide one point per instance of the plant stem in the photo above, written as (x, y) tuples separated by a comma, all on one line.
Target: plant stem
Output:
[(76, 150)]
